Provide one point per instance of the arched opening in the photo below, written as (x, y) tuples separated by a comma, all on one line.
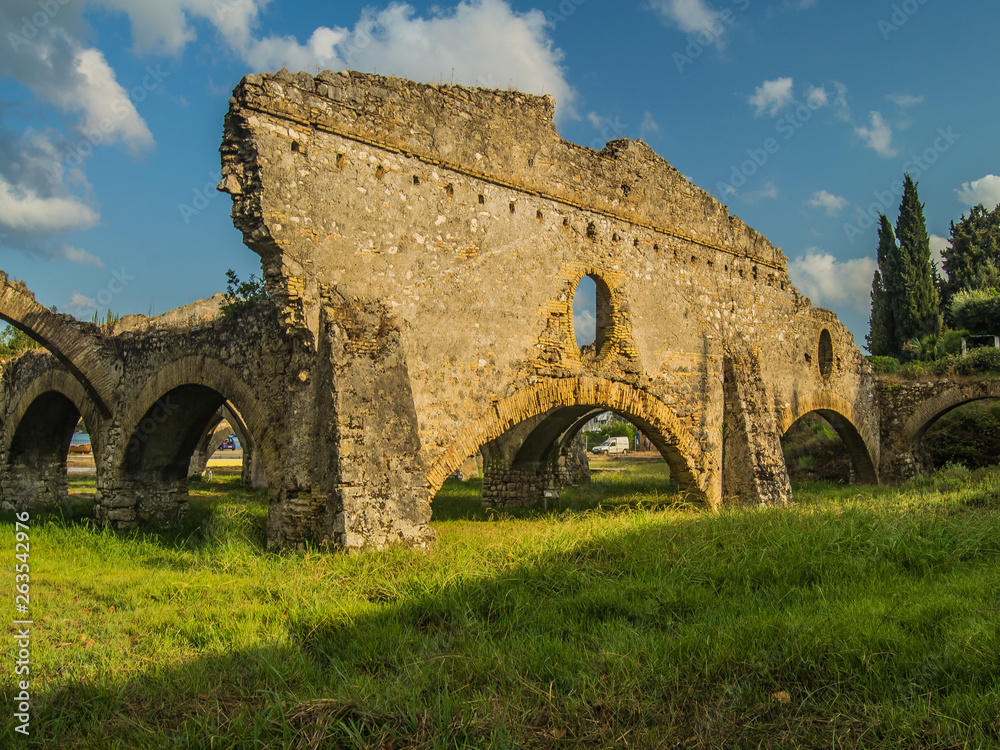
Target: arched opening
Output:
[(575, 457), (154, 483), (35, 474), (227, 448), (967, 434), (825, 354), (823, 445), (591, 314)]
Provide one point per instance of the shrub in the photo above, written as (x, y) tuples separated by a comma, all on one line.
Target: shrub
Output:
[(884, 365), (977, 310), (977, 361), (241, 295)]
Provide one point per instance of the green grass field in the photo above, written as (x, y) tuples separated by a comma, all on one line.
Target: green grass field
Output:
[(859, 618)]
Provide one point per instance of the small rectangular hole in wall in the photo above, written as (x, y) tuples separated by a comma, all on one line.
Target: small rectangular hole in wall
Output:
[(591, 231), (416, 180), (482, 199), (635, 242), (379, 172), (565, 222), (538, 214), (614, 237), (512, 208), (296, 146), (656, 248), (531, 162), (340, 161), (449, 190), (694, 259)]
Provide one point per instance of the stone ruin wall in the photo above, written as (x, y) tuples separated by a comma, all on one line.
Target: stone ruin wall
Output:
[(464, 215)]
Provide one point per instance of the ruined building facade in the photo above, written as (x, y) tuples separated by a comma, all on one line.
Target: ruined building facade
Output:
[(422, 246)]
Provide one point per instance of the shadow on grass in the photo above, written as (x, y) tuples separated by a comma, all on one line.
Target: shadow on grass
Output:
[(753, 629), (646, 485)]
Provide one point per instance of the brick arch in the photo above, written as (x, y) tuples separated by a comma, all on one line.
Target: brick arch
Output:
[(681, 451), (930, 411), (57, 381), (210, 373), (862, 444), (75, 350)]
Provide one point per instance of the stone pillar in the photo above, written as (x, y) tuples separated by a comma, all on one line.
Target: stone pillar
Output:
[(34, 484), (526, 483), (377, 486), (753, 470)]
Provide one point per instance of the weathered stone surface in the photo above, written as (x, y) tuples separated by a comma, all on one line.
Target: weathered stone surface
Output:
[(422, 246)]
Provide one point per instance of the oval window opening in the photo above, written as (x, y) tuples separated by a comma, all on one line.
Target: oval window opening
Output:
[(585, 313), (591, 314), (825, 354)]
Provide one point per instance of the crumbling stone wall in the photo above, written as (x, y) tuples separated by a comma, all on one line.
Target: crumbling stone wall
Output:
[(464, 214), (908, 409), (422, 246)]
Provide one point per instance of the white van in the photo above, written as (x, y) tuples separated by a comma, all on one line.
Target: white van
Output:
[(613, 446)]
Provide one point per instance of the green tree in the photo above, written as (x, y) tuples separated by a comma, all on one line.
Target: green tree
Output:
[(241, 295), (916, 309), (14, 342), (974, 245), (881, 336)]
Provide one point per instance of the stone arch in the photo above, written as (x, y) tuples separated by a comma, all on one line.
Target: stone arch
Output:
[(36, 438), (76, 351), (930, 411), (681, 451), (206, 373), (861, 444)]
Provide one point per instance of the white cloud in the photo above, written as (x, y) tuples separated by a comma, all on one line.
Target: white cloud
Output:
[(817, 97), (479, 42), (905, 100), (649, 126), (585, 327), (938, 244), (832, 204), (827, 281), (690, 16), (770, 190), (985, 190), (76, 255), (771, 96), (23, 210), (80, 303), (840, 106), (878, 137)]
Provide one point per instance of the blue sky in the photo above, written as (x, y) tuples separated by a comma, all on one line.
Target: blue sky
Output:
[(801, 115)]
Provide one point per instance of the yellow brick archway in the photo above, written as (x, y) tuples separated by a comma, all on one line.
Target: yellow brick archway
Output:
[(681, 451)]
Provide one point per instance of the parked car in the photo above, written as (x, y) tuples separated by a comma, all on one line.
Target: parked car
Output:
[(229, 444), (613, 446)]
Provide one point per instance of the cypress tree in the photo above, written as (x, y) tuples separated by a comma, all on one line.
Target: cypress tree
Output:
[(915, 309), (975, 241), (881, 336)]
